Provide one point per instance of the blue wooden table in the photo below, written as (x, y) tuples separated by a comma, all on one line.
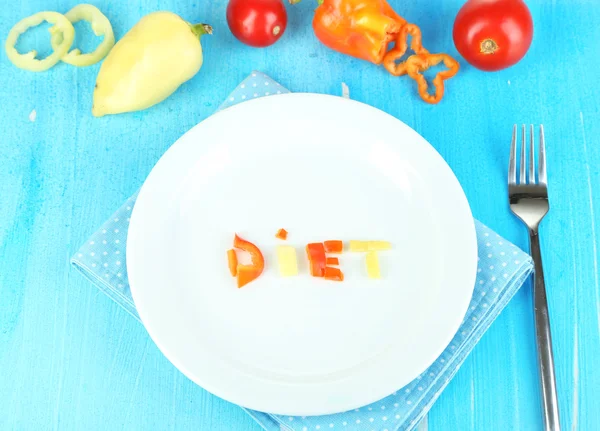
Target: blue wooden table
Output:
[(70, 359)]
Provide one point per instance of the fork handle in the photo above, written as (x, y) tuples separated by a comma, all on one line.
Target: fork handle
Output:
[(544, 338)]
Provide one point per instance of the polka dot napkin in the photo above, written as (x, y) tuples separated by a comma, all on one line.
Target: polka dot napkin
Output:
[(502, 270)]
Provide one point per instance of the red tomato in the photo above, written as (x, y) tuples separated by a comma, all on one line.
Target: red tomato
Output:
[(493, 34), (257, 22)]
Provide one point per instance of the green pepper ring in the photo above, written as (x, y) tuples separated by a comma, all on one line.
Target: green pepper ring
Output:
[(100, 26), (28, 61)]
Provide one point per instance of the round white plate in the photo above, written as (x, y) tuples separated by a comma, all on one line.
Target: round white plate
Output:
[(323, 168)]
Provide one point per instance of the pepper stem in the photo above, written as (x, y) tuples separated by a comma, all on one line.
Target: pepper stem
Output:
[(201, 29)]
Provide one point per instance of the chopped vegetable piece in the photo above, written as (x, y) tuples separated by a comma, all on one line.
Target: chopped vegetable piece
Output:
[(233, 262), (248, 273), (332, 261), (100, 26), (419, 62), (334, 246), (416, 64), (373, 265), (359, 245), (288, 264), (281, 234), (316, 257), (28, 61), (379, 245), (333, 274)]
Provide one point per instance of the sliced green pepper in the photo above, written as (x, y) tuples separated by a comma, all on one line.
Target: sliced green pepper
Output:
[(101, 27), (28, 61)]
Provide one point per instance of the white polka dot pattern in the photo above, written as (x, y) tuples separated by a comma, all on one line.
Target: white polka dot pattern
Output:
[(102, 258), (256, 85), (502, 268)]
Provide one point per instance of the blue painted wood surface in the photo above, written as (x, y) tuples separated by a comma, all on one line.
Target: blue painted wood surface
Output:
[(72, 360)]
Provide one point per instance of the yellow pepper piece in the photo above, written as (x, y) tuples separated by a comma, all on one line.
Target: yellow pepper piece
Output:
[(372, 260), (28, 61), (286, 256), (358, 246), (362, 246), (161, 52), (100, 26), (379, 245)]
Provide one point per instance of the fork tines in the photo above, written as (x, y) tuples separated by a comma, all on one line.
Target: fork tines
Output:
[(512, 163)]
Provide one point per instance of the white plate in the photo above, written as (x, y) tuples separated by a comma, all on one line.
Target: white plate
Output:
[(321, 167)]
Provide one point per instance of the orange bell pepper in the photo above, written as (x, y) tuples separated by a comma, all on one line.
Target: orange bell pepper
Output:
[(317, 259), (419, 63), (334, 246), (360, 28), (364, 29), (233, 262), (281, 234), (333, 274), (247, 273), (332, 261)]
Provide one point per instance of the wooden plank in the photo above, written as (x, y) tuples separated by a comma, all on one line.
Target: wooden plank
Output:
[(71, 359)]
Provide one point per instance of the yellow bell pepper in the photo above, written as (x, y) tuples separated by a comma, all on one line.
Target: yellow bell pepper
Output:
[(362, 246), (28, 61), (379, 245), (288, 264), (161, 52), (372, 260), (359, 246), (101, 27)]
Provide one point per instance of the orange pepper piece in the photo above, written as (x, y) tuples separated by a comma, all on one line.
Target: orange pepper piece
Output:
[(281, 234), (334, 246), (317, 259), (415, 64), (332, 261), (333, 274), (248, 273), (390, 59), (233, 262)]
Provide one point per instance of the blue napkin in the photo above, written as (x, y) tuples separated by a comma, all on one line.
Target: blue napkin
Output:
[(502, 269)]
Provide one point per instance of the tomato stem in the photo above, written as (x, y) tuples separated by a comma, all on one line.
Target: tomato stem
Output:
[(488, 46)]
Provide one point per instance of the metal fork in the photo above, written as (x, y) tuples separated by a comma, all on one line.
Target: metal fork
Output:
[(529, 201)]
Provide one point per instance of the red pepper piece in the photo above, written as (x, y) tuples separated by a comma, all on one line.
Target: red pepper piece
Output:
[(281, 234), (316, 257), (333, 274), (334, 246), (248, 273), (332, 261), (233, 262)]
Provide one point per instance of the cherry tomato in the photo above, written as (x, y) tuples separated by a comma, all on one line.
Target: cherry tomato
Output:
[(257, 23), (493, 34)]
